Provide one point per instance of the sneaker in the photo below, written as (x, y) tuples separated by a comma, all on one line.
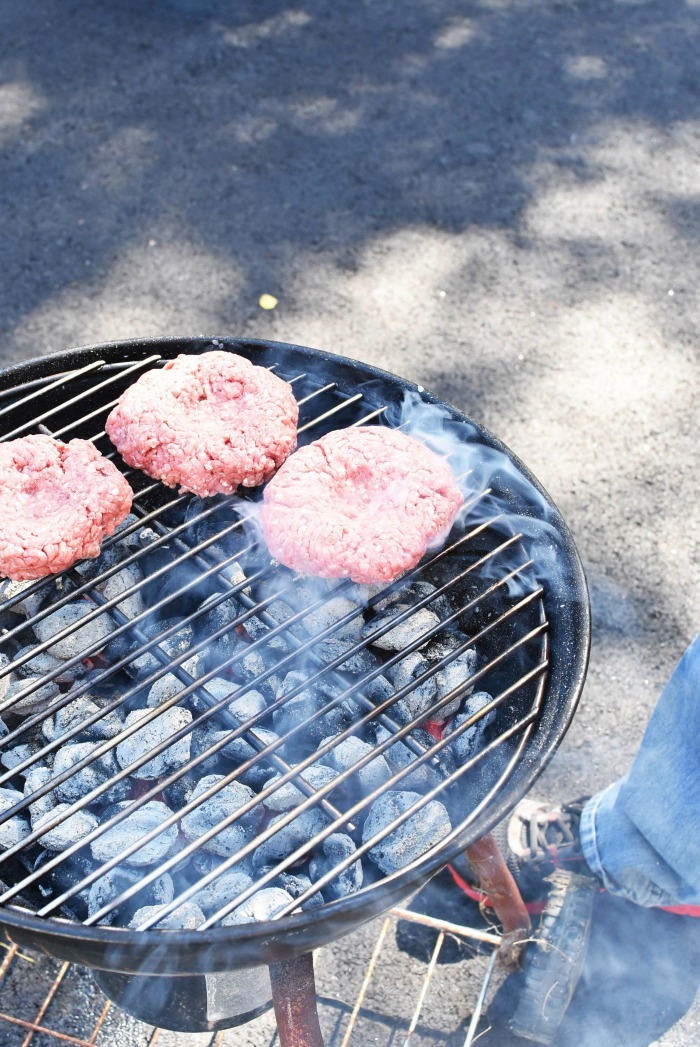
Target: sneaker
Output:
[(539, 838)]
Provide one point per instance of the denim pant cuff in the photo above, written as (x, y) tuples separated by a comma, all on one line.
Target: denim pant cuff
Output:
[(587, 835)]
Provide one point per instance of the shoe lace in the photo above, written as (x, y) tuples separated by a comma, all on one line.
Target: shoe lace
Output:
[(550, 833)]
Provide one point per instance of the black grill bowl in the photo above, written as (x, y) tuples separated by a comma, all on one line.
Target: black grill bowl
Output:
[(544, 706)]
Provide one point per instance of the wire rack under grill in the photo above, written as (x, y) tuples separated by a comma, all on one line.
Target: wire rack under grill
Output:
[(187, 563), (46, 1003)]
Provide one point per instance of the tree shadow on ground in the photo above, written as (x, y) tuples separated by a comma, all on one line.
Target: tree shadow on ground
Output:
[(264, 131)]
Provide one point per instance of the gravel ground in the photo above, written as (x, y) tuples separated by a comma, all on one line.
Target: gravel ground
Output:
[(498, 200)]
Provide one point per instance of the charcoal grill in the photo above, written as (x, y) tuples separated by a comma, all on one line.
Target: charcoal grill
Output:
[(516, 590)]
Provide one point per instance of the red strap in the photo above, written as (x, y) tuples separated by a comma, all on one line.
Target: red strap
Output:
[(534, 908), (682, 910)]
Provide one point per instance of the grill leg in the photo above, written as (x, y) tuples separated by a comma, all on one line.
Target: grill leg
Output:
[(497, 882), (294, 999)]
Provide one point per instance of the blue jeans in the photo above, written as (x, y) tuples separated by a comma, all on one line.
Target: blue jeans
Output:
[(641, 835)]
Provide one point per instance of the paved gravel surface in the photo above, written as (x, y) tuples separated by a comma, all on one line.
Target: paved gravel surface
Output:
[(499, 200)]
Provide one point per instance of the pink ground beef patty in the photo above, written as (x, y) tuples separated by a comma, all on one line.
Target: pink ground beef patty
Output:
[(206, 423), (57, 503), (362, 503)]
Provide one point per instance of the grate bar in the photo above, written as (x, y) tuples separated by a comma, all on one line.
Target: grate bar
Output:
[(79, 396), (44, 388), (330, 412)]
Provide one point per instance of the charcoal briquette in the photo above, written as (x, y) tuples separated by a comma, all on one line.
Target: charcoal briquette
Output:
[(289, 838), (453, 675), (247, 706), (399, 756), (217, 689), (404, 674), (260, 906), (440, 605), (241, 750), (177, 794), (335, 849), (204, 736), (64, 877), (296, 884), (35, 778), (187, 917), (100, 770), (69, 831), (73, 716), (40, 696), (223, 889), (290, 795), (403, 634), (299, 710), (470, 741), (407, 842), (81, 637), (175, 645), (115, 840), (16, 828), (32, 603), (350, 751), (332, 611), (163, 689), (360, 663), (43, 663), (120, 879), (212, 812), (151, 734), (117, 584), (12, 757)]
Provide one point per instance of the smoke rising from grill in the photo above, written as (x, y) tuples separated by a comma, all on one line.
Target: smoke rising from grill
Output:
[(513, 506)]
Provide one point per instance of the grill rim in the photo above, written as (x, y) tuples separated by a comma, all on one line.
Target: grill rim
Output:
[(279, 939)]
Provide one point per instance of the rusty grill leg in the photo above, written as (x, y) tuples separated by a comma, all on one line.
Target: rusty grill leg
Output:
[(294, 999), (497, 882)]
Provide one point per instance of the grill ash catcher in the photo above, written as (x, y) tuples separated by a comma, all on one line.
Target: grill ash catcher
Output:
[(187, 723)]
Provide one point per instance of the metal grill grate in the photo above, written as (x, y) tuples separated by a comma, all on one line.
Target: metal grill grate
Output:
[(477, 570)]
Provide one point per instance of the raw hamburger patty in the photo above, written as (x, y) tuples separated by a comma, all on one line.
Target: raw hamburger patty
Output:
[(362, 503), (206, 423), (57, 502)]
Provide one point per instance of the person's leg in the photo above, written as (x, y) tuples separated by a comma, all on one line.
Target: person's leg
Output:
[(641, 836)]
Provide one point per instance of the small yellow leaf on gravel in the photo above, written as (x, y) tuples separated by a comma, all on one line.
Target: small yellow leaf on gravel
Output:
[(267, 301)]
